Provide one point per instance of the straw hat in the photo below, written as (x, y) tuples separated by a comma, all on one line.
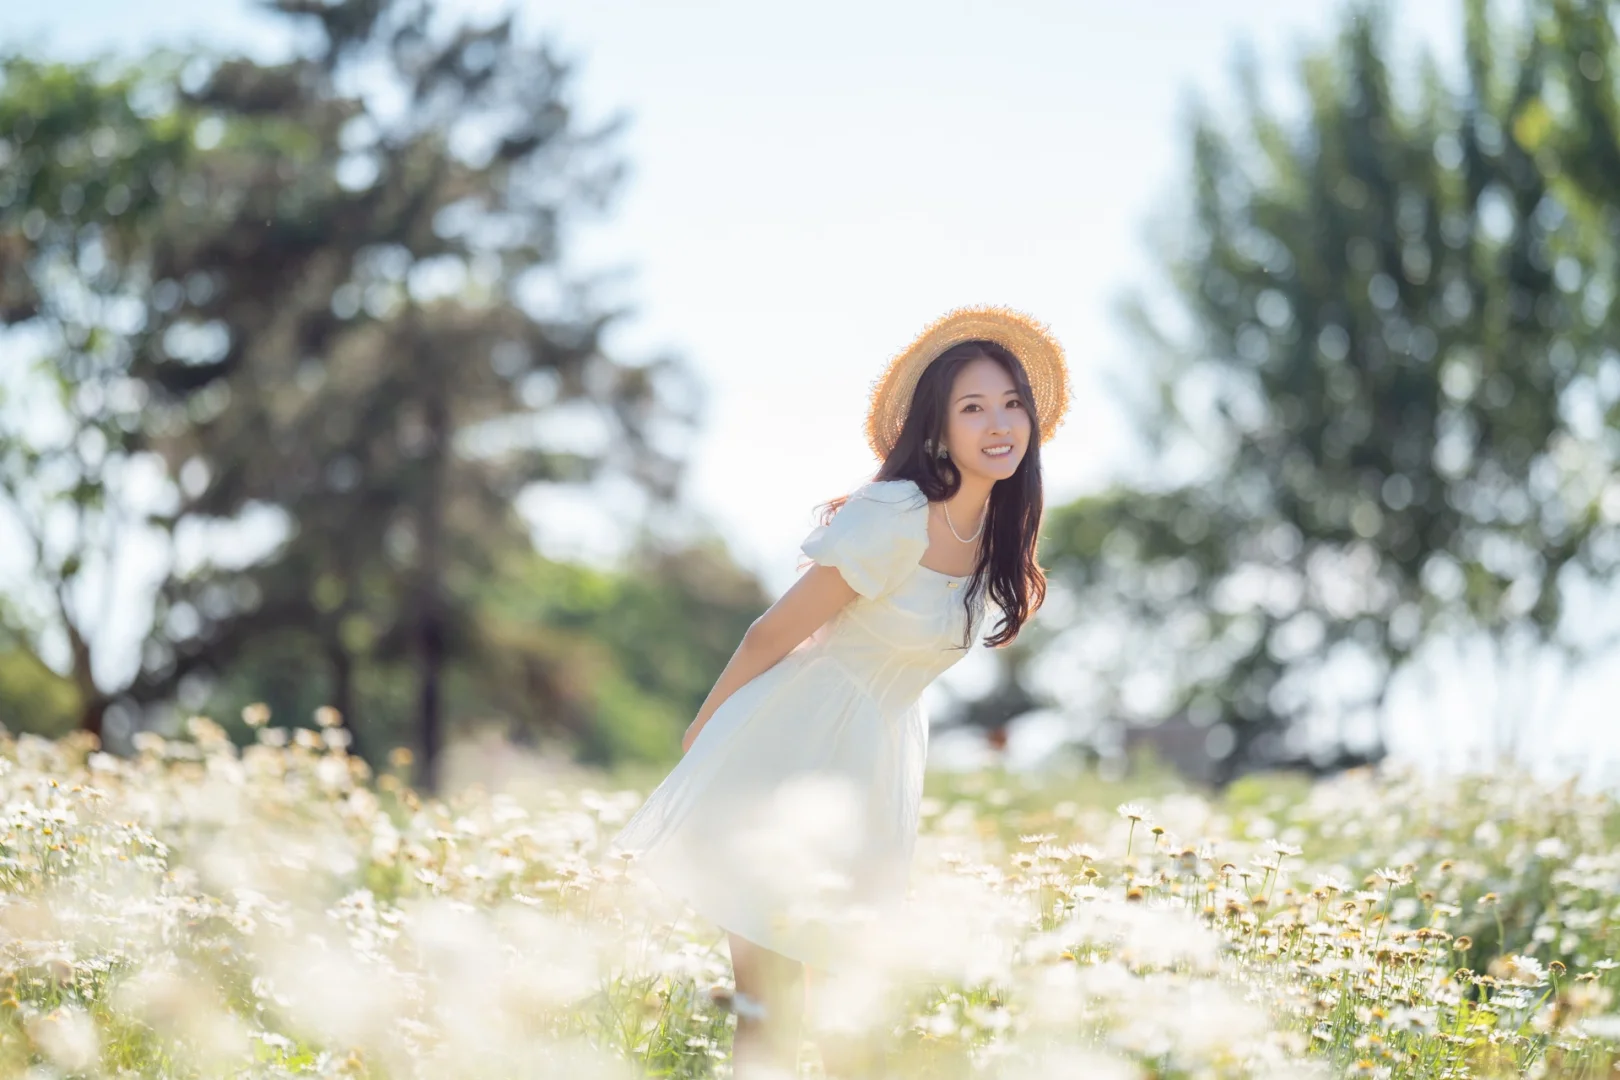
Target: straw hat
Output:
[(1014, 331)]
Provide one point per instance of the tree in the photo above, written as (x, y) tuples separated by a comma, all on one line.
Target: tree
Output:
[(359, 344), (610, 662), (83, 157), (627, 657), (1395, 369)]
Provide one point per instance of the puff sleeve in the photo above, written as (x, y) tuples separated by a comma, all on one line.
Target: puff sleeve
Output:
[(876, 538)]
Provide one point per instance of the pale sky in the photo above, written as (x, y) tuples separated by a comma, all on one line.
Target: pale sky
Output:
[(810, 185)]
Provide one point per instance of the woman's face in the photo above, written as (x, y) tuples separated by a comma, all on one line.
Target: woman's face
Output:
[(986, 421)]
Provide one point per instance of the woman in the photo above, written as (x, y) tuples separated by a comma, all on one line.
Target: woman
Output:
[(792, 818)]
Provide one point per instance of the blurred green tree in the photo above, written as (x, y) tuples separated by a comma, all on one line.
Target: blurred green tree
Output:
[(629, 657), (83, 153), (399, 350), (348, 335), (33, 697), (1383, 396), (611, 664)]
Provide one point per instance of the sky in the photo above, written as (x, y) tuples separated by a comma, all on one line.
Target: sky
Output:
[(810, 185)]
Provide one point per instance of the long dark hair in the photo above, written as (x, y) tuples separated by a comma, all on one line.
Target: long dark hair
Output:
[(1007, 567)]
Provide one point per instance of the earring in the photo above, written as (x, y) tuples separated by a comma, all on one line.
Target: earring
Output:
[(930, 449)]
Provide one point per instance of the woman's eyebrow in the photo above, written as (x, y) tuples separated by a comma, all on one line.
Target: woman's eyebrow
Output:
[(964, 397)]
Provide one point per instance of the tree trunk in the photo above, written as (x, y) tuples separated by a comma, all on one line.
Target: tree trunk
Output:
[(430, 600), (92, 716), (429, 706), (341, 694), (93, 702)]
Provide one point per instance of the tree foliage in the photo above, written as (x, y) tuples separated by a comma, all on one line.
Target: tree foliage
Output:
[(344, 338), (83, 158), (1392, 346)]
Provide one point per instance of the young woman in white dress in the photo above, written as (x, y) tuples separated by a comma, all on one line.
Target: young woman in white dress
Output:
[(794, 810)]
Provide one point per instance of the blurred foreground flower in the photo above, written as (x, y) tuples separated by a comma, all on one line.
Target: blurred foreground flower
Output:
[(205, 910)]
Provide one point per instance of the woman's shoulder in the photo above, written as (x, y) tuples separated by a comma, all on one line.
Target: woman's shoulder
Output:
[(899, 493), (875, 538)]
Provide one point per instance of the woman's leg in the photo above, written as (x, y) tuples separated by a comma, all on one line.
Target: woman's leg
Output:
[(766, 1047)]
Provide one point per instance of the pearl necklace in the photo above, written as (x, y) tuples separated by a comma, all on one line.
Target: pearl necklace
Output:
[(966, 539)]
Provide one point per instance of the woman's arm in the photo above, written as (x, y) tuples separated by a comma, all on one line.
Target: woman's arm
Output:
[(818, 595)]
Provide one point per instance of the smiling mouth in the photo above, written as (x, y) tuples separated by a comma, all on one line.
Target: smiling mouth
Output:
[(997, 451)]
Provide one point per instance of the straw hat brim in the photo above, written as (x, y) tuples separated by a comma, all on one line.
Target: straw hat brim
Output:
[(1018, 333)]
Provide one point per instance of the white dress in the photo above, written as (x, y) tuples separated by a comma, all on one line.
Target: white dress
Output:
[(793, 816)]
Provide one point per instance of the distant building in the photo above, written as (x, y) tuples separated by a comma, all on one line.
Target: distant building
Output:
[(1176, 742), (1187, 747)]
